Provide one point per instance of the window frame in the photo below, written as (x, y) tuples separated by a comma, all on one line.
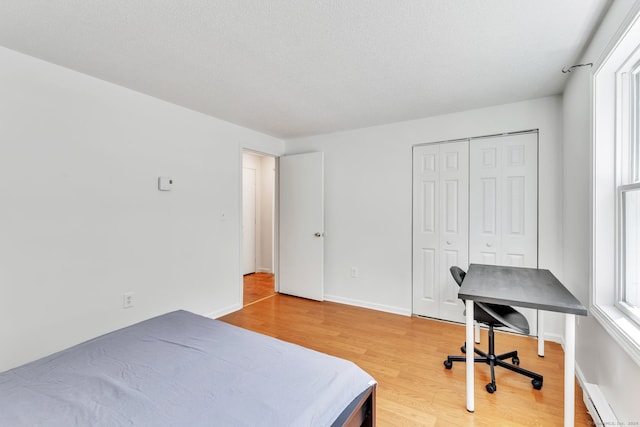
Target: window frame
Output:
[(635, 122), (616, 71)]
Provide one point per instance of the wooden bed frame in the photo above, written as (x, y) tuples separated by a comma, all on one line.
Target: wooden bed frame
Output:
[(364, 414)]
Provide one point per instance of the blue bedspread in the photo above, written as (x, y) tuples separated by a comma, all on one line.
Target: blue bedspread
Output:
[(180, 369)]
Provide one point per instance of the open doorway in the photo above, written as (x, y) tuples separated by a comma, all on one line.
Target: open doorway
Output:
[(258, 219)]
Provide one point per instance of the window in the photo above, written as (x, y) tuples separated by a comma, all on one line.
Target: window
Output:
[(628, 299), (616, 188), (628, 194)]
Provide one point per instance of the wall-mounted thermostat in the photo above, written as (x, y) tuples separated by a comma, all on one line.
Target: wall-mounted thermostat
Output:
[(164, 183)]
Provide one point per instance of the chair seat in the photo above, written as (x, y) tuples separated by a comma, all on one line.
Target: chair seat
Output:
[(511, 318)]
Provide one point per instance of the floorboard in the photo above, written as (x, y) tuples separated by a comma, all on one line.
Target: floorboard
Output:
[(257, 286)]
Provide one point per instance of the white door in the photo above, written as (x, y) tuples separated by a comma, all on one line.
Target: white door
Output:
[(248, 220), (440, 227), (503, 227), (301, 212)]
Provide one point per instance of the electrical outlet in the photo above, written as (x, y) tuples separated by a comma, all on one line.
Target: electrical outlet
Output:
[(354, 272), (127, 300)]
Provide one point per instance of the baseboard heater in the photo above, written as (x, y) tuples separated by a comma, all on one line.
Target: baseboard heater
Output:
[(598, 406)]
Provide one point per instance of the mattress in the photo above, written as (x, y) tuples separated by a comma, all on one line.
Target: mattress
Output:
[(181, 369)]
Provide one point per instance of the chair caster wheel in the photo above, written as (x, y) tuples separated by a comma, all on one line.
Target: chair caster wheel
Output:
[(463, 349), (491, 388), (448, 364), (516, 360), (537, 384)]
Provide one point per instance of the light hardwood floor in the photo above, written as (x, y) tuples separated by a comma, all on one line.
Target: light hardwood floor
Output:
[(257, 286), (405, 355)]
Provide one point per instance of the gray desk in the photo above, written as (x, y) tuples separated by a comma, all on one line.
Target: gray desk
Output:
[(522, 287)]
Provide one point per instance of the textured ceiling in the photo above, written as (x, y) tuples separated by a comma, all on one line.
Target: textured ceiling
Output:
[(291, 68)]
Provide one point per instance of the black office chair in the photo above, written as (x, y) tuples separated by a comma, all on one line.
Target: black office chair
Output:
[(495, 315)]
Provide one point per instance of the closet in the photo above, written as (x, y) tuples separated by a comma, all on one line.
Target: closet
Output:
[(474, 201)]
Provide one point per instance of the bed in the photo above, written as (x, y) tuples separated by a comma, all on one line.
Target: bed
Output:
[(181, 369)]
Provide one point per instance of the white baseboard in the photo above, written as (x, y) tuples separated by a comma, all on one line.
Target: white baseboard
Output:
[(596, 403), (364, 304), (224, 311), (554, 338)]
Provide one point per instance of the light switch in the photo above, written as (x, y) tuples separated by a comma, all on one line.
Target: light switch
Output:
[(165, 183)]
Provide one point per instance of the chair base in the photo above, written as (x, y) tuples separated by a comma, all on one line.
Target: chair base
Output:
[(494, 360)]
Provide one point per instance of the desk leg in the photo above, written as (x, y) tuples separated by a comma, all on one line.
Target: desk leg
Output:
[(470, 355), (540, 333), (569, 368)]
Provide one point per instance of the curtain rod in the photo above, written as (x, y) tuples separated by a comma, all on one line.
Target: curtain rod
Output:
[(573, 67)]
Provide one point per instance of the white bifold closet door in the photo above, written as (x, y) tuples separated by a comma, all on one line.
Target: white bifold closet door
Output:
[(440, 227), (503, 203), (474, 201)]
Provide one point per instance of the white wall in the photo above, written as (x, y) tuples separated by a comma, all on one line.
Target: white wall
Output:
[(82, 220), (264, 167), (599, 359), (368, 198), (267, 212)]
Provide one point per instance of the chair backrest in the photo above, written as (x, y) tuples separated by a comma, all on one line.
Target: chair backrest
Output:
[(458, 274), (491, 313)]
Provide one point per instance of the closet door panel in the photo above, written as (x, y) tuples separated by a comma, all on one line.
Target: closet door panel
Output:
[(440, 227), (454, 233), (503, 226), (451, 308), (428, 193), (429, 279), (488, 219), (426, 229), (504, 200), (520, 176), (485, 194)]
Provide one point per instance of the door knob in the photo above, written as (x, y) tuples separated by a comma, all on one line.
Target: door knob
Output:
[(489, 244), (448, 242), (319, 234)]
